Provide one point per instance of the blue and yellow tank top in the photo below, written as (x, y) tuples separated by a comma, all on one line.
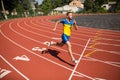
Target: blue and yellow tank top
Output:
[(67, 26)]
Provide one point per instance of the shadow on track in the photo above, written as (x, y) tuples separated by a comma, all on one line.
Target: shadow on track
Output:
[(55, 53)]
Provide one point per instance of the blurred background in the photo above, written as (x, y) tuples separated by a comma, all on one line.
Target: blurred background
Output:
[(30, 8)]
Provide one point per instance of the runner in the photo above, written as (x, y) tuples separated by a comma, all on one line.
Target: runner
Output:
[(68, 22)]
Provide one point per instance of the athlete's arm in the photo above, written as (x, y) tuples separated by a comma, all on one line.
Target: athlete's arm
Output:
[(56, 25), (75, 25)]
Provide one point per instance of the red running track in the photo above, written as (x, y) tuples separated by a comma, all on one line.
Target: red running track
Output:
[(101, 59)]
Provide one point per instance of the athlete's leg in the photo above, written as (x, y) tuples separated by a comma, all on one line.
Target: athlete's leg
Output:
[(64, 40), (56, 43), (70, 50)]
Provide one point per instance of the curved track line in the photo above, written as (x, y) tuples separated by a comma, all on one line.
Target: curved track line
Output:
[(106, 62)]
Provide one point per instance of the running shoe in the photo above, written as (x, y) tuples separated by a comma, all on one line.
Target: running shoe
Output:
[(75, 61)]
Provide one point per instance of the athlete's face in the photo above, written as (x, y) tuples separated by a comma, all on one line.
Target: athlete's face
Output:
[(70, 15)]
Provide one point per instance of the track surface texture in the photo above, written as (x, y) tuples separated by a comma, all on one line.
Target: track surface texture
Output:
[(21, 42)]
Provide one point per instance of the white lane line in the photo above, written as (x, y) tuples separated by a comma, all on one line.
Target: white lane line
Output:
[(43, 57), (106, 62), (113, 62), (113, 52), (14, 68), (117, 45), (4, 23), (55, 38), (79, 60)]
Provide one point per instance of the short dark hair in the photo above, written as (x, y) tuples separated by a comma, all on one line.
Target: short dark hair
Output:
[(68, 13)]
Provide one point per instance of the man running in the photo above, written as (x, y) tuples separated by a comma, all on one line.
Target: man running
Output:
[(68, 22)]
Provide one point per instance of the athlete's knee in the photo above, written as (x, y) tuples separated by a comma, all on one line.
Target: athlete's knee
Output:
[(60, 44)]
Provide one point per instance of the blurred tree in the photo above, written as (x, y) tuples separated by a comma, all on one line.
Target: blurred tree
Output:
[(46, 6), (24, 7), (94, 5), (26, 4), (20, 9), (9, 4), (3, 10), (88, 5), (52, 4), (117, 8), (37, 7)]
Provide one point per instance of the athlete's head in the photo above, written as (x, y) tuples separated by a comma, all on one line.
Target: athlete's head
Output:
[(69, 15)]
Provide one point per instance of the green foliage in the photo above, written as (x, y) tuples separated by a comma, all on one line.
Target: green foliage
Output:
[(19, 9), (100, 2), (36, 6), (48, 5), (26, 4), (117, 9), (9, 4), (94, 5), (1, 16), (102, 10), (88, 5), (46, 8), (12, 4)]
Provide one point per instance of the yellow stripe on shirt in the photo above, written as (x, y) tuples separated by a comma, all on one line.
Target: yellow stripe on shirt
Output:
[(67, 29)]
